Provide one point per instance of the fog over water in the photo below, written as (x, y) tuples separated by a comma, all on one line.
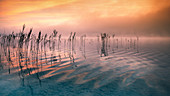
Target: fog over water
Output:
[(102, 65), (84, 48)]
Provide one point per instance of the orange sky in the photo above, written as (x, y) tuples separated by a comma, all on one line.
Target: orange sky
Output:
[(40, 13)]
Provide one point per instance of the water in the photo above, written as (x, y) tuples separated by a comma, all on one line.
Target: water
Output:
[(120, 66)]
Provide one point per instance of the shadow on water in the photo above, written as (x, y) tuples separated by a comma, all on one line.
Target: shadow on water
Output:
[(72, 66)]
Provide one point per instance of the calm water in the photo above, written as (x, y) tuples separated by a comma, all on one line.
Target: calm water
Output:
[(122, 66)]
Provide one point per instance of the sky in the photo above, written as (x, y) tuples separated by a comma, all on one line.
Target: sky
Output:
[(143, 17)]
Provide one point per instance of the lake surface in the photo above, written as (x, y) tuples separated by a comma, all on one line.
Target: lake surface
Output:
[(87, 66)]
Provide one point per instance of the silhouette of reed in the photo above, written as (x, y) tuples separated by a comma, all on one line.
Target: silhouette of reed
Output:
[(45, 55), (104, 39), (83, 45)]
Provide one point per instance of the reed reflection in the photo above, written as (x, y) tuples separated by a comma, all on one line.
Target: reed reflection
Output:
[(44, 56)]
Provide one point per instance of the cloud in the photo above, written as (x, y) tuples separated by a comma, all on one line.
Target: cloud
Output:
[(91, 16)]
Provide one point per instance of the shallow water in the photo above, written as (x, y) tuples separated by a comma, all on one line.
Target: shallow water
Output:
[(124, 66)]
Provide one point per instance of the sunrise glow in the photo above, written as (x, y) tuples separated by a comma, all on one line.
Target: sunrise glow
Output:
[(72, 13)]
